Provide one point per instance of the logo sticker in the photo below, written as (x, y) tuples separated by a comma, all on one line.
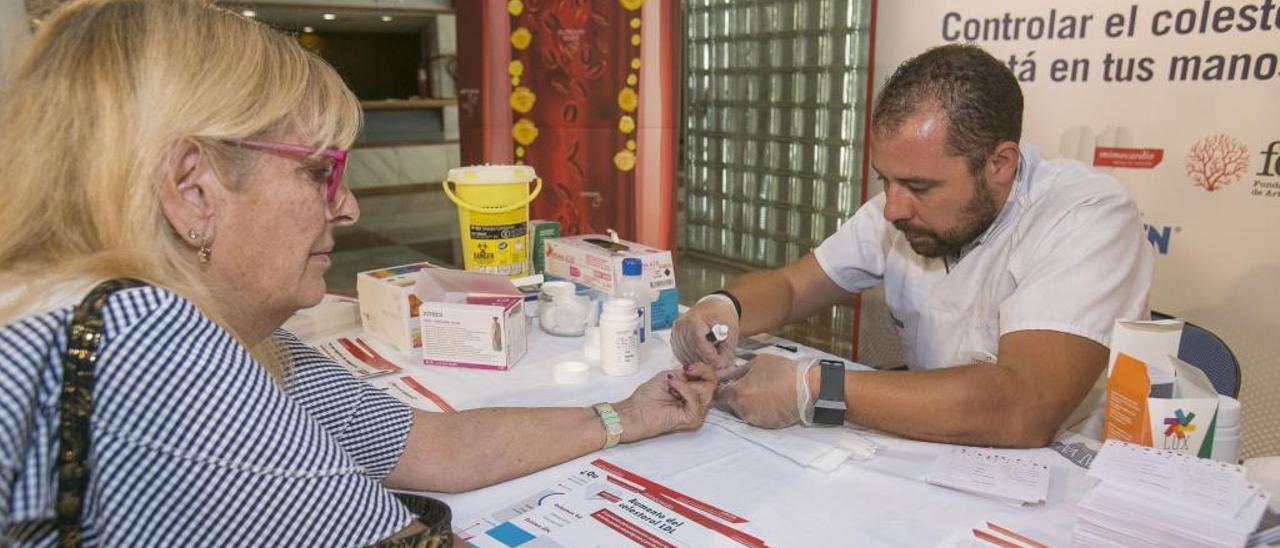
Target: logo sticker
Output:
[(1217, 161)]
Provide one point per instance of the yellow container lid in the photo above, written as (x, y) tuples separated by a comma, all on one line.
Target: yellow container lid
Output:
[(491, 175)]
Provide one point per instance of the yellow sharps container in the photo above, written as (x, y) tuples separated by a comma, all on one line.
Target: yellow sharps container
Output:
[(493, 216)]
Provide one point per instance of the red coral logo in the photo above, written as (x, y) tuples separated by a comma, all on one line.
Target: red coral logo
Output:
[(1216, 161)]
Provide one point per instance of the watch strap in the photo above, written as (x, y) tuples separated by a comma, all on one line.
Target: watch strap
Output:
[(726, 296), (611, 422), (830, 407)]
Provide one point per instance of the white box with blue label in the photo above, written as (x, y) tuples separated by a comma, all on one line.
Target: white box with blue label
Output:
[(595, 260)]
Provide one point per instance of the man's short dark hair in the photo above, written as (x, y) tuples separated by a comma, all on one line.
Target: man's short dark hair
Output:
[(977, 94)]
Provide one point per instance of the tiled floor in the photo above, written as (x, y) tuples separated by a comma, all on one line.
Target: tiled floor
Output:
[(420, 224)]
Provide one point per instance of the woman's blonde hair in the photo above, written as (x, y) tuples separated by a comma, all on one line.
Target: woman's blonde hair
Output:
[(107, 94)]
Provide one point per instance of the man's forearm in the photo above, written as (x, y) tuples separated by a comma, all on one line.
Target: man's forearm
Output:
[(979, 404), (1022, 400), (765, 297), (771, 298)]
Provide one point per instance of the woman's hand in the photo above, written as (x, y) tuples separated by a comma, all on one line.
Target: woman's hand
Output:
[(671, 401)]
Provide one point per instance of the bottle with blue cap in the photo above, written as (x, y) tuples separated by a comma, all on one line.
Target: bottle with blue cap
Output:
[(634, 286)]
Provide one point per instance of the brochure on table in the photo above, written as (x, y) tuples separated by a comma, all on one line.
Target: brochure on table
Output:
[(602, 504), (357, 355)]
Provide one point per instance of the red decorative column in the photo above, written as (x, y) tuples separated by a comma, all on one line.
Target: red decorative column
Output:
[(590, 101)]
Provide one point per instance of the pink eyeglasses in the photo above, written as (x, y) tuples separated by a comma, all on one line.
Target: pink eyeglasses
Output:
[(337, 156)]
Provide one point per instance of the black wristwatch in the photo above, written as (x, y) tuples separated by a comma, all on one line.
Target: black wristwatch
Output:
[(830, 407)]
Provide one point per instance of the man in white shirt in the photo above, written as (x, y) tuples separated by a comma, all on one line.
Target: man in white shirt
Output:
[(1004, 273)]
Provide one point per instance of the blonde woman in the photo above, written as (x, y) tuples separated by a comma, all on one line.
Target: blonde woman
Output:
[(173, 178)]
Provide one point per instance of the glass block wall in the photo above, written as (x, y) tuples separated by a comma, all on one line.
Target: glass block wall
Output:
[(773, 125)]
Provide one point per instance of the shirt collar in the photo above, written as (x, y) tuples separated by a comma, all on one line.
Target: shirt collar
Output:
[(1027, 157)]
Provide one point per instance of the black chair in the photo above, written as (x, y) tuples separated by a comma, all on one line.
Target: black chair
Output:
[(1201, 348)]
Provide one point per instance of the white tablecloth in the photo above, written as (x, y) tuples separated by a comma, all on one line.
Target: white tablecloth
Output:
[(880, 502)]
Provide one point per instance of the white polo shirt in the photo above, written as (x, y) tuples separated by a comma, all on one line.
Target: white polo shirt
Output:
[(1066, 253)]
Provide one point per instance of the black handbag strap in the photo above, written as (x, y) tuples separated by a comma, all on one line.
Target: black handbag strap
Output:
[(434, 514), (83, 336)]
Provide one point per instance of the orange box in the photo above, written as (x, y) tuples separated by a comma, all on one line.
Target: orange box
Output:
[(1179, 413)]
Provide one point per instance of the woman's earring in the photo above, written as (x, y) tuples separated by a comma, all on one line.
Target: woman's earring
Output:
[(204, 251)]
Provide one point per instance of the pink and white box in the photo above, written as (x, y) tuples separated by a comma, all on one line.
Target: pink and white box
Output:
[(471, 319)]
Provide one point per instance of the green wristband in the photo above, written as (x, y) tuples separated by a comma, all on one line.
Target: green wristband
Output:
[(611, 422)]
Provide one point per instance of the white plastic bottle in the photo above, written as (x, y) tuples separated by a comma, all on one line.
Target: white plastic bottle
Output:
[(634, 286), (619, 337)]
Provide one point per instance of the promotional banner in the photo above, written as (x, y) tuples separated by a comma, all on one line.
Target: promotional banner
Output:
[(1180, 101)]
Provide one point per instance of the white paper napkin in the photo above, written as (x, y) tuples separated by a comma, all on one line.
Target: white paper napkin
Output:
[(823, 449)]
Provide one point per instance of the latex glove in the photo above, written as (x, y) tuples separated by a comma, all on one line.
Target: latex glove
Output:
[(671, 401), (689, 335), (771, 392)]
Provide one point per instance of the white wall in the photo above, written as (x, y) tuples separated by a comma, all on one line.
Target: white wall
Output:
[(370, 167), (14, 32), (1218, 264)]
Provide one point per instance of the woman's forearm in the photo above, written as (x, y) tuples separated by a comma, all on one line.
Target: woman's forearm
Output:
[(472, 449)]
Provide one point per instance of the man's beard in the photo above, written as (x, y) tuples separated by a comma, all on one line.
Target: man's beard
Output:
[(975, 217)]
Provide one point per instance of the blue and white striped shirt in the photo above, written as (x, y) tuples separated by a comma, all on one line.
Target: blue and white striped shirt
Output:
[(193, 443)]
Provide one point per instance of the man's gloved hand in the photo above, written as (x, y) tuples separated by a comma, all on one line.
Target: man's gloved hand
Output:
[(689, 335), (771, 392)]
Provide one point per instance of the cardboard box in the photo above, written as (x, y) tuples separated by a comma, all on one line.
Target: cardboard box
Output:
[(470, 319), (595, 260), (1154, 398), (389, 306)]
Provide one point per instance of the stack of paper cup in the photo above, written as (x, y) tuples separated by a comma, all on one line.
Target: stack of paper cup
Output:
[(1265, 471), (1226, 434)]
